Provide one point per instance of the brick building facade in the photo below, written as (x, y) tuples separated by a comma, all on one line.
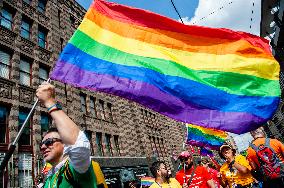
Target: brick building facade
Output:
[(32, 35)]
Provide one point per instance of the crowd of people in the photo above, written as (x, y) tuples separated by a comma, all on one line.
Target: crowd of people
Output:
[(261, 168), (67, 148)]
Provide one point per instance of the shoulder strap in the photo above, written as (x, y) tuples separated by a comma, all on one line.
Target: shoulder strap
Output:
[(253, 146), (267, 142), (192, 174)]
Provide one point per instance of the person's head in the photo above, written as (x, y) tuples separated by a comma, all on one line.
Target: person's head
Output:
[(52, 146), (226, 152), (159, 170), (186, 159), (258, 133), (205, 162)]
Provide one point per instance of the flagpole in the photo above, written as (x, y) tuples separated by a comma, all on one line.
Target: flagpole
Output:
[(184, 164), (12, 147)]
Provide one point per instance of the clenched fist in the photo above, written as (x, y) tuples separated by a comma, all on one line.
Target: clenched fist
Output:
[(46, 94)]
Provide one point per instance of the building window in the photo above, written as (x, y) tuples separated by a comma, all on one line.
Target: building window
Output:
[(41, 5), (25, 72), (108, 144), (145, 116), (109, 112), (61, 44), (59, 19), (102, 109), (156, 152), (5, 66), (6, 19), (73, 21), (27, 1), (99, 144), (93, 106), (43, 74), (25, 170), (42, 38), (45, 123), (25, 138), (25, 29), (88, 134), (116, 143), (4, 114), (83, 103)]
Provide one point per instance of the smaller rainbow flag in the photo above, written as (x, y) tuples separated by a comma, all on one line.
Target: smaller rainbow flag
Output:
[(46, 168), (147, 181), (205, 137)]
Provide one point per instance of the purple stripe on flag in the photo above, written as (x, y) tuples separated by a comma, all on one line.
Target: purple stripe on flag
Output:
[(202, 144), (150, 96)]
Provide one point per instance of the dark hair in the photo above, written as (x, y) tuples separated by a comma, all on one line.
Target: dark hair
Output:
[(155, 167), (221, 155), (51, 130)]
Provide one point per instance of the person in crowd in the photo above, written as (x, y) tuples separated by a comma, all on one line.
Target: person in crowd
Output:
[(215, 174), (235, 172), (162, 178), (266, 157), (194, 175), (65, 147)]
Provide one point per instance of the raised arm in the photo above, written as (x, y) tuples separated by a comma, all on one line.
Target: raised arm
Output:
[(76, 144), (67, 129)]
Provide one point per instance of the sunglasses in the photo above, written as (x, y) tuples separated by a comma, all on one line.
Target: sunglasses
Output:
[(49, 142)]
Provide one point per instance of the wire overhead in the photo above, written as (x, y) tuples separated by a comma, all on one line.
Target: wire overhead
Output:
[(177, 11), (220, 8), (251, 18)]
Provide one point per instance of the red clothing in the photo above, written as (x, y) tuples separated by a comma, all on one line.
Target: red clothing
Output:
[(214, 175), (199, 180)]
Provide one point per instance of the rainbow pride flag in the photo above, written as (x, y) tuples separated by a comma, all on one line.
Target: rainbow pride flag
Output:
[(147, 181), (215, 78), (46, 168), (206, 152), (206, 138)]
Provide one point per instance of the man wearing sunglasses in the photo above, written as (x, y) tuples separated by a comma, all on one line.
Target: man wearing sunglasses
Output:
[(65, 147)]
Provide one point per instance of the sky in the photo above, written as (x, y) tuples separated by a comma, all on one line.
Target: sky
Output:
[(232, 14), (242, 141)]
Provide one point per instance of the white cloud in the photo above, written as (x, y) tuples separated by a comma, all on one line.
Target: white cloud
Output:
[(242, 140), (235, 15)]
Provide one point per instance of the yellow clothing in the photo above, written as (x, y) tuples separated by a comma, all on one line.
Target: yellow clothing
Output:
[(235, 176), (173, 183)]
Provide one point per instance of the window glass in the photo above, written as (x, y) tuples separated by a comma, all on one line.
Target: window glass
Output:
[(93, 106), (25, 170), (6, 19), (3, 123), (42, 39), (25, 138), (25, 29), (108, 144), (116, 143), (43, 74), (102, 109), (4, 64), (100, 150), (27, 1), (83, 103), (25, 73), (41, 6)]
